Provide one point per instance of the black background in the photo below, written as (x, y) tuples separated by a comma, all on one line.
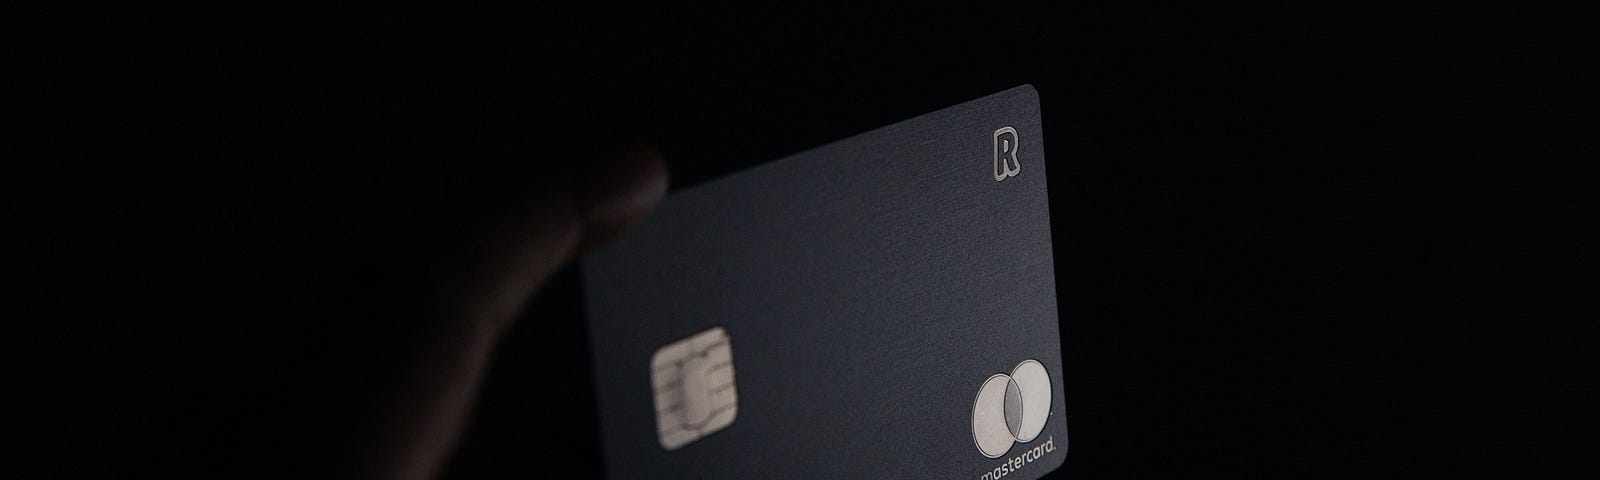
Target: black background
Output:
[(1269, 223)]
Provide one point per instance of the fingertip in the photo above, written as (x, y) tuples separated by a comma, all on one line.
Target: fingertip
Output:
[(619, 191)]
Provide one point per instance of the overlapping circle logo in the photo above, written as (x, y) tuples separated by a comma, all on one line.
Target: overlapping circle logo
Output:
[(1011, 408)]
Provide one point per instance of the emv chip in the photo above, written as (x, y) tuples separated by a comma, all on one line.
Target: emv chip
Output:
[(694, 390)]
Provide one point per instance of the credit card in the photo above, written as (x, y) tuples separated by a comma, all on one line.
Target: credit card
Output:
[(879, 306)]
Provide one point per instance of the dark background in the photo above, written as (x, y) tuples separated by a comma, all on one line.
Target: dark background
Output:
[(1273, 227)]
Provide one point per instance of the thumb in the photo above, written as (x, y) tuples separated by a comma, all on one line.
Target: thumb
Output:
[(505, 260)]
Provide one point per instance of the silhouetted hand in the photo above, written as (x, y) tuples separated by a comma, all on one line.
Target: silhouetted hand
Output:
[(412, 414)]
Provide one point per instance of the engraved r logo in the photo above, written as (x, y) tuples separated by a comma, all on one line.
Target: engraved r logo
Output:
[(1005, 153)]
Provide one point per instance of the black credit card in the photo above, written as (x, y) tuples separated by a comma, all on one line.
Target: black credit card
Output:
[(882, 306)]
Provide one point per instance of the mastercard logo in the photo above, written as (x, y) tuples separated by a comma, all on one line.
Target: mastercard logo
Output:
[(1011, 408)]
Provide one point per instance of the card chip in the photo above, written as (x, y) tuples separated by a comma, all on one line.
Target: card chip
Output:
[(694, 389)]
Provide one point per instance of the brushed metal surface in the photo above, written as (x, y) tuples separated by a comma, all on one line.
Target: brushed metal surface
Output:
[(869, 286)]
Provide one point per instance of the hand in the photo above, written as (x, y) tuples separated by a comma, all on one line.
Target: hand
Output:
[(412, 399)]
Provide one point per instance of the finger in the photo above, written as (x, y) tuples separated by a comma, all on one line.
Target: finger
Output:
[(615, 199)]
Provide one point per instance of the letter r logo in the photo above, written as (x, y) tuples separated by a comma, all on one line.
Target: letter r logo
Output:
[(1005, 153)]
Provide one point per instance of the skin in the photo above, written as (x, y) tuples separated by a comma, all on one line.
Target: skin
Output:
[(471, 293)]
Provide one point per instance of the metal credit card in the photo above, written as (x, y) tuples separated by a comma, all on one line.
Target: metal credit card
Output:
[(882, 306)]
